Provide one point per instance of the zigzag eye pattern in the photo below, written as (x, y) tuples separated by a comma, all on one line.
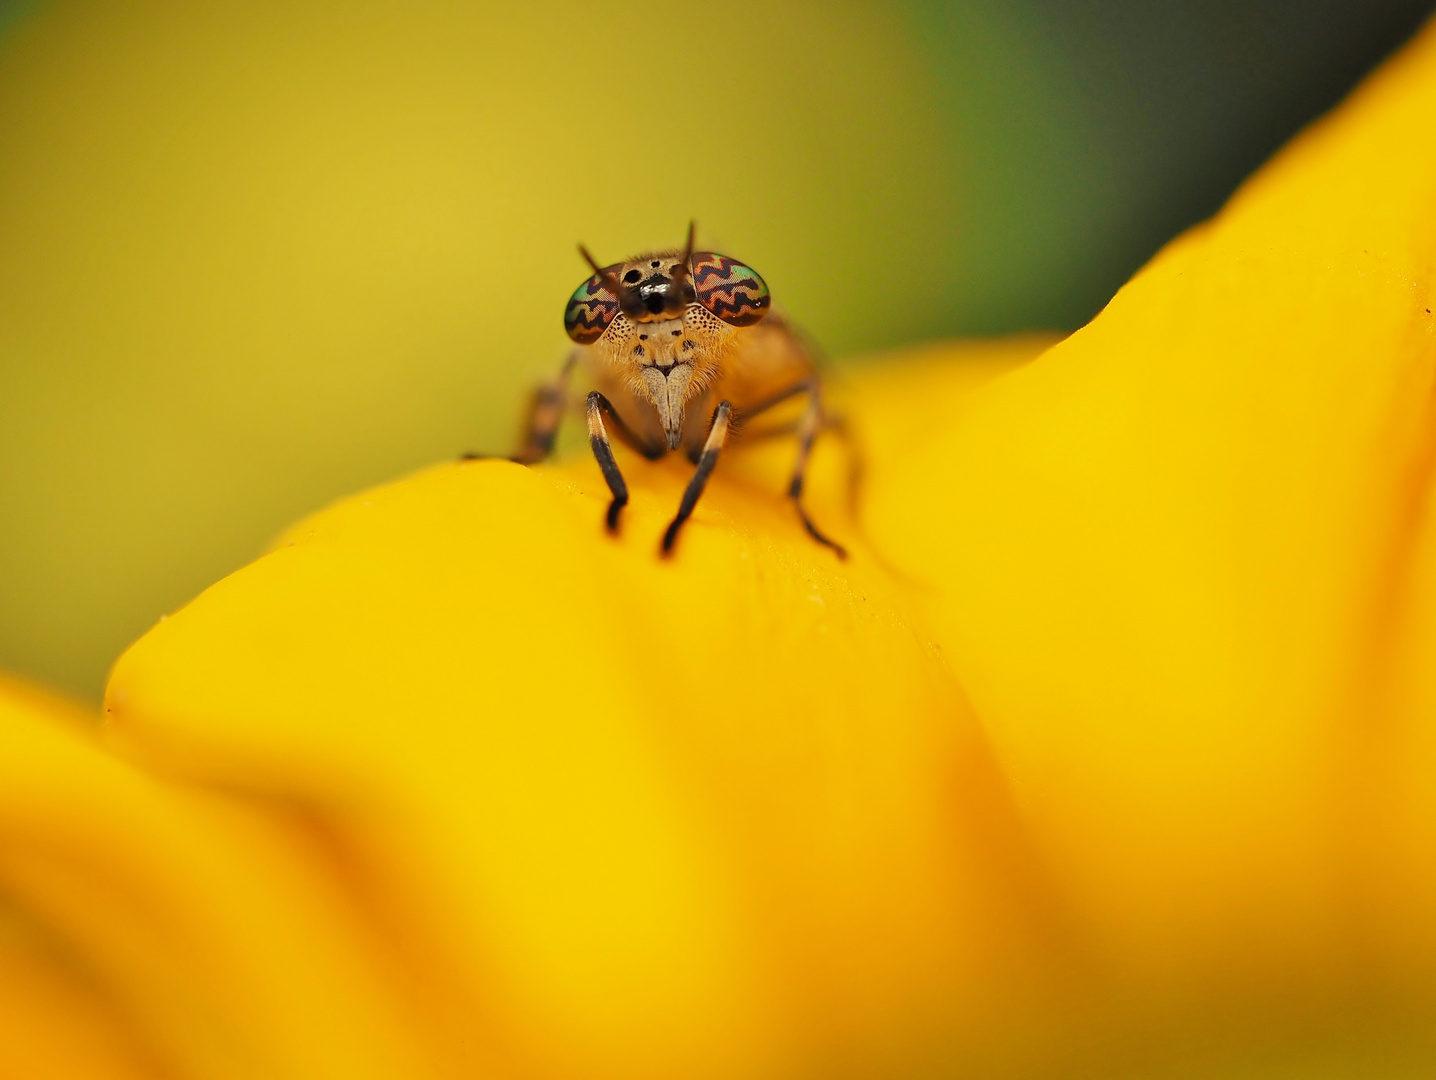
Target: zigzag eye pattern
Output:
[(730, 290), (590, 309)]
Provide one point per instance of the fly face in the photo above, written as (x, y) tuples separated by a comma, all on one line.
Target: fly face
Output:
[(666, 319), (661, 328)]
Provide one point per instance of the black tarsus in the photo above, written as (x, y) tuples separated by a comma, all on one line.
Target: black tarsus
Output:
[(603, 452), (809, 427), (691, 493), (793, 493)]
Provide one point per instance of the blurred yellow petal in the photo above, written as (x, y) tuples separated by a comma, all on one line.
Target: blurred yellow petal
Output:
[(1110, 751), (56, 1018), (1183, 566), (721, 816), (150, 931)]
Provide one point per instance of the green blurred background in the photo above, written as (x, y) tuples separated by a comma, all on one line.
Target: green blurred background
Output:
[(256, 255)]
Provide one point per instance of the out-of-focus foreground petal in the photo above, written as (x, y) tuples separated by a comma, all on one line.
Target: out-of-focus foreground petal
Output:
[(724, 815), (601, 815), (151, 932), (1184, 565)]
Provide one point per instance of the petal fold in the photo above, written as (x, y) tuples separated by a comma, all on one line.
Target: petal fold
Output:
[(725, 814), (1183, 570), (1113, 742), (151, 931)]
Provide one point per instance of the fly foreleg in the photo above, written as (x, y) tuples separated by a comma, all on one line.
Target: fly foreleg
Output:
[(598, 406), (717, 435)]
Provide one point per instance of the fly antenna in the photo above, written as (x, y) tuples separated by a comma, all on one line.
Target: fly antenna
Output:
[(609, 279), (680, 275)]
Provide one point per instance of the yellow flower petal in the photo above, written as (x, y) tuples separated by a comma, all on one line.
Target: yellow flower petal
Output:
[(1183, 565), (722, 815), (731, 815), (150, 931)]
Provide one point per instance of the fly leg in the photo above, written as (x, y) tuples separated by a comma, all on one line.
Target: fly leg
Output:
[(545, 415), (808, 427), (598, 406), (838, 425), (717, 434)]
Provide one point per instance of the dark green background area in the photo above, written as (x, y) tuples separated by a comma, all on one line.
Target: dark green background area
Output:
[(1170, 104), (254, 256)]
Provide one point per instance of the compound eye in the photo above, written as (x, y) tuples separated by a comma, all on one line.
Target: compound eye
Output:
[(730, 290), (590, 309)]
